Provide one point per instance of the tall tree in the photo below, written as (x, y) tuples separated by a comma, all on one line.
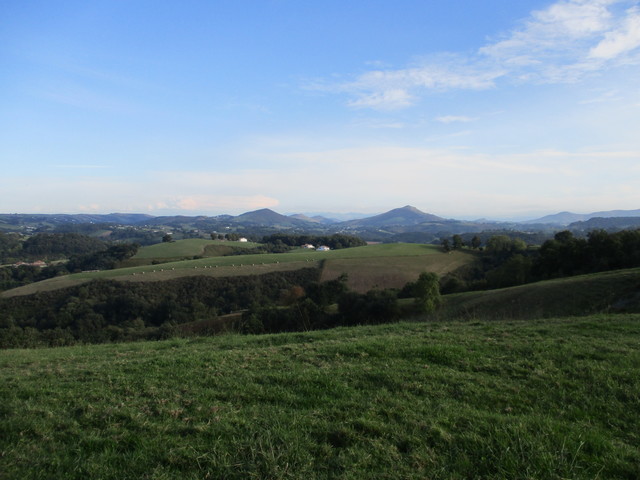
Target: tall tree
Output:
[(426, 291)]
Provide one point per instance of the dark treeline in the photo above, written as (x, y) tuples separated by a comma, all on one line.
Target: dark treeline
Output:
[(107, 310), (119, 233), (46, 246), (105, 259), (334, 242), (111, 311), (508, 261), (309, 309), (61, 245), (13, 277), (10, 247), (567, 255), (285, 242)]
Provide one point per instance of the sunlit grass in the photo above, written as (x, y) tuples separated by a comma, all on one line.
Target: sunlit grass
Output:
[(556, 398)]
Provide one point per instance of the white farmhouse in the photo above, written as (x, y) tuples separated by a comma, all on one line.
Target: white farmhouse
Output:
[(322, 248)]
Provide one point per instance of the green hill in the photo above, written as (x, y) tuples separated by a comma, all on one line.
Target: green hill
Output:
[(186, 248), (615, 291), (554, 398), (395, 261)]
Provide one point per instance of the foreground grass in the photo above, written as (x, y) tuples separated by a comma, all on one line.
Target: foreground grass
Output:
[(557, 398)]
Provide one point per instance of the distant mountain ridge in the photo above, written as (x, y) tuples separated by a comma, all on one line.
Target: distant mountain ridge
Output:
[(606, 223), (70, 218), (315, 219), (566, 218), (397, 221)]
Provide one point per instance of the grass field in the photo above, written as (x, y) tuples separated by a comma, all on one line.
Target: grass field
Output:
[(552, 399), (388, 254), (614, 291), (388, 271), (185, 248)]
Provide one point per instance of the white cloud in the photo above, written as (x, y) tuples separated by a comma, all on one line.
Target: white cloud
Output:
[(608, 96), (393, 89), (454, 118), (622, 40), (562, 43), (385, 100)]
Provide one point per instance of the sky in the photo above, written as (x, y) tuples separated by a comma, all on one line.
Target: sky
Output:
[(461, 108)]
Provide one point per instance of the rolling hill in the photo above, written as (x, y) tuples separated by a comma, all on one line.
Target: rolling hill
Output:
[(614, 291), (384, 265)]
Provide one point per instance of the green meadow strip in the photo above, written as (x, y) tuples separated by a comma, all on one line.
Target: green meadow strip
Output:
[(555, 398)]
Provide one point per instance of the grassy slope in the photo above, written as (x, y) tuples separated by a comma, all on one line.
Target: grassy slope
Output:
[(392, 271), (615, 291), (184, 248), (555, 398), (230, 266)]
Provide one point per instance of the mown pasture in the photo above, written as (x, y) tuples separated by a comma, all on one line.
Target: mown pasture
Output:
[(552, 398), (394, 271), (185, 248), (411, 259)]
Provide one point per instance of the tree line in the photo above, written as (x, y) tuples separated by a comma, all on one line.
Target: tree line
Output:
[(107, 258), (46, 246), (507, 261), (110, 311), (335, 242)]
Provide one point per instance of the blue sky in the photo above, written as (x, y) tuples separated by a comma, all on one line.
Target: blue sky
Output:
[(464, 109)]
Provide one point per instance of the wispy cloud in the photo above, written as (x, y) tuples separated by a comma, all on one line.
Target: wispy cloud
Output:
[(621, 40), (562, 43), (384, 100), (603, 97), (454, 118), (394, 89)]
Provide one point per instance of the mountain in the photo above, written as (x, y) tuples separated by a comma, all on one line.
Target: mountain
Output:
[(324, 220), (266, 217), (616, 213), (405, 216), (565, 218), (304, 218), (562, 218), (333, 217)]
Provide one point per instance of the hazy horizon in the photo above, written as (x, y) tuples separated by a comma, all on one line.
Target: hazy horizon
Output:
[(340, 216), (464, 109)]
